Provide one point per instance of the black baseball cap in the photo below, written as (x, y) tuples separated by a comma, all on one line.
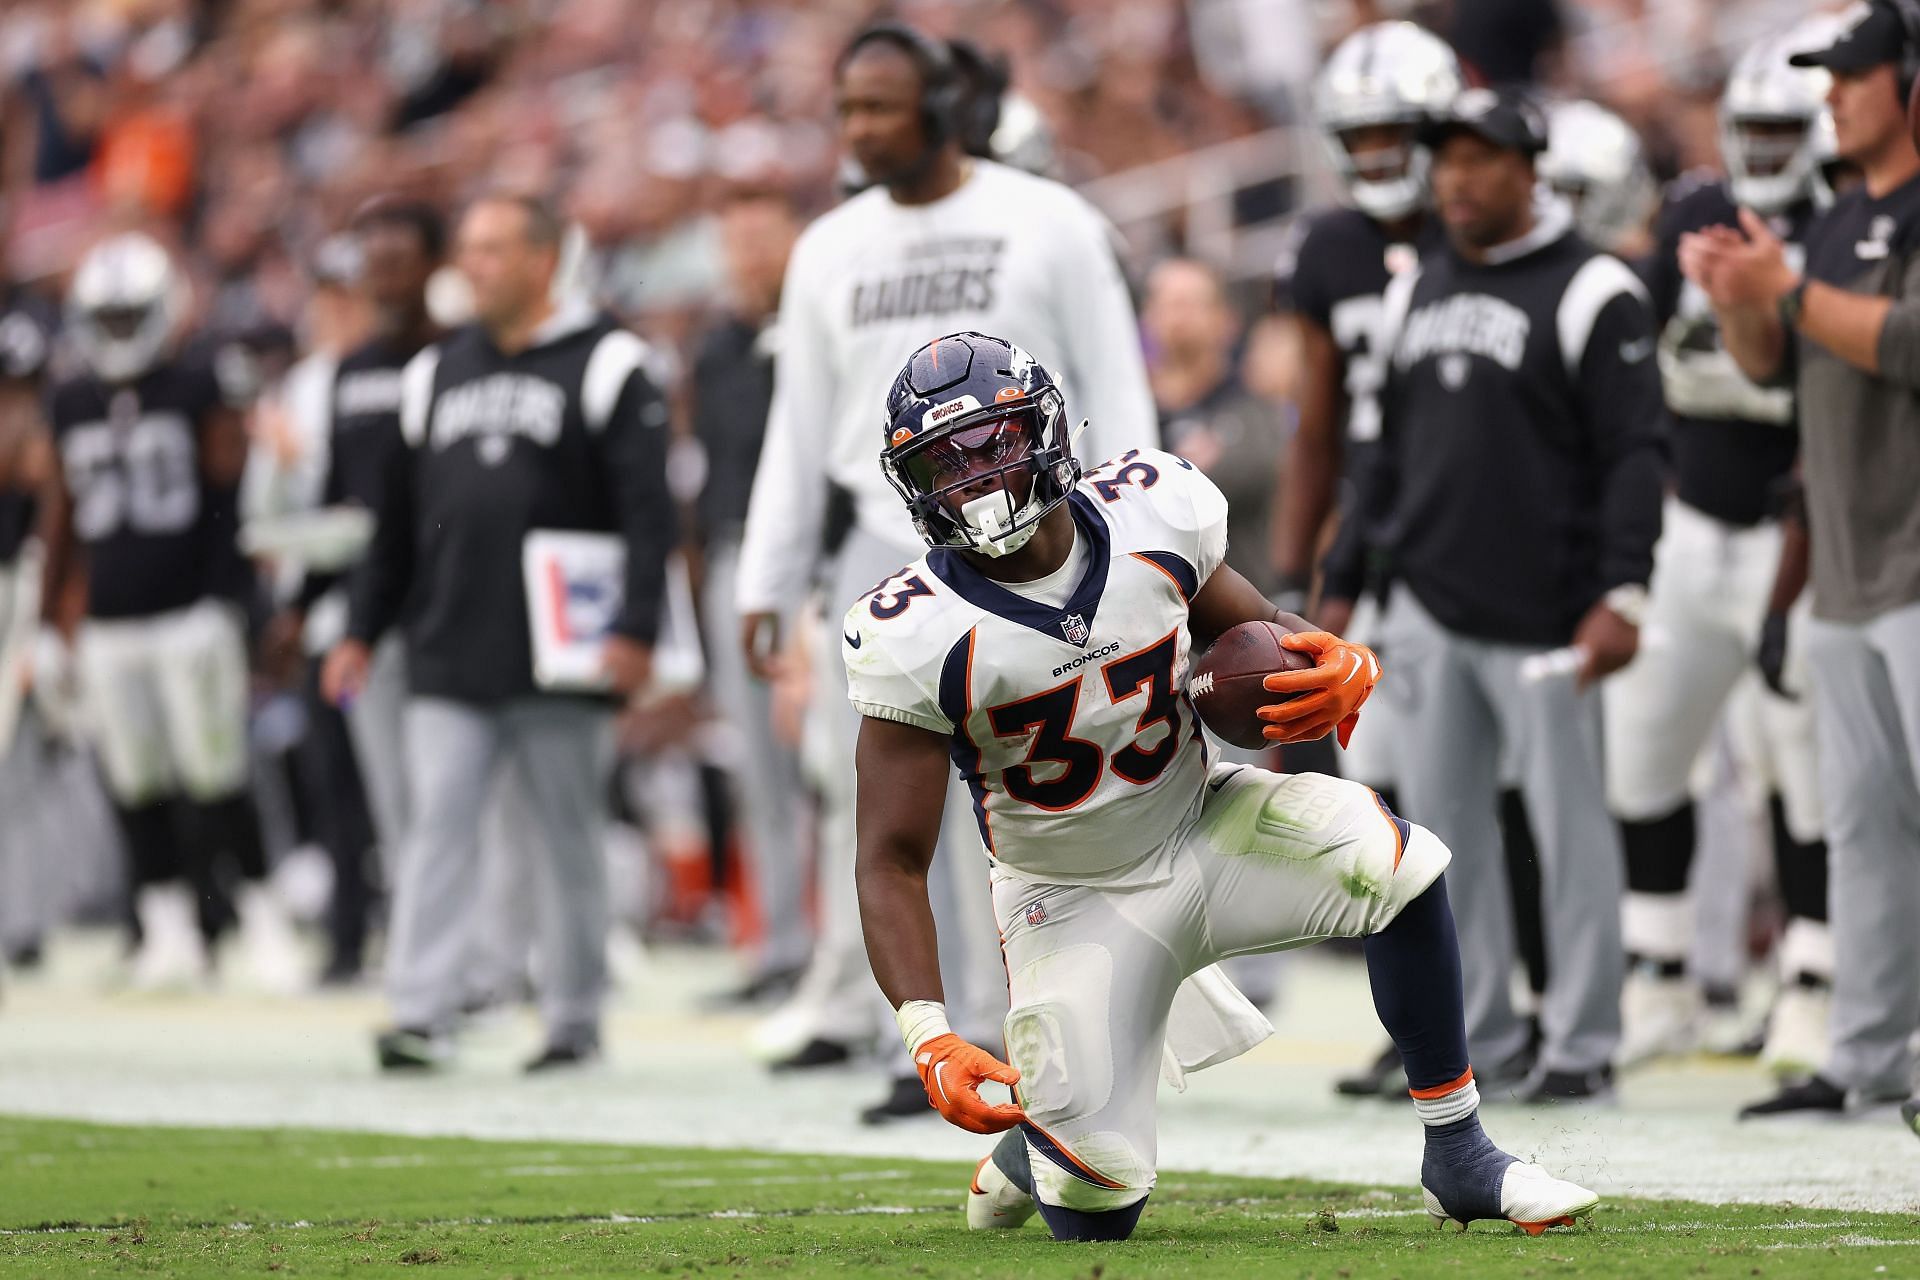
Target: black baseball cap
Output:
[(1875, 38), (1503, 117)]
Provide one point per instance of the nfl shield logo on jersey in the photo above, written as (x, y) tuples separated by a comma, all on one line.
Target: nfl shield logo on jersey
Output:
[(1036, 913), (1074, 627)]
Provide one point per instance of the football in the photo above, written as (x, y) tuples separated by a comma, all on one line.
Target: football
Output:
[(1226, 682)]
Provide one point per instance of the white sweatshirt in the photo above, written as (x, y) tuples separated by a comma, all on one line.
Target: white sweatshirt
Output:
[(1007, 254)]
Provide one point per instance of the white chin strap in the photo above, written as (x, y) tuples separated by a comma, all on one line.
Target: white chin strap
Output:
[(987, 518)]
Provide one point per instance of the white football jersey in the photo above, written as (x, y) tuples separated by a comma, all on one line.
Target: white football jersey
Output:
[(1070, 726)]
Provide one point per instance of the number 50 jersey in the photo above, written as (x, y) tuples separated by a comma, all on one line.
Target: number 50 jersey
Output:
[(157, 538), (1070, 726)]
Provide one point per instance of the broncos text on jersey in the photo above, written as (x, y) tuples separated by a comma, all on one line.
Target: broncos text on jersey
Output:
[(1070, 726)]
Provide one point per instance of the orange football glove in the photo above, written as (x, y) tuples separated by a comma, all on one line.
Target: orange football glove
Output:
[(1327, 697), (951, 1071)]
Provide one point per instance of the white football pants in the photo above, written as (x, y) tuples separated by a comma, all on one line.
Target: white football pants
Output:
[(1267, 861)]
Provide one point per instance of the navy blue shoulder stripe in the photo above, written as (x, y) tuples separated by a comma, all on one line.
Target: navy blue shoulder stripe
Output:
[(1175, 566)]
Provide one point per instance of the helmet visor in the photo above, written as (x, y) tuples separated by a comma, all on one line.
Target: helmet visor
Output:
[(121, 323), (1769, 147), (968, 461), (1378, 152)]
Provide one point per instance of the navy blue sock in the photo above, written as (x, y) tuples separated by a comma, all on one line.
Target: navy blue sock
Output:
[(1078, 1224), (1463, 1169), (1413, 966)]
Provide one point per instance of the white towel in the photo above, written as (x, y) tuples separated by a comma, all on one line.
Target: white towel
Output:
[(1210, 1022)]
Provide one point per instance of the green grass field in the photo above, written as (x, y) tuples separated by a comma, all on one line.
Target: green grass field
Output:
[(79, 1199)]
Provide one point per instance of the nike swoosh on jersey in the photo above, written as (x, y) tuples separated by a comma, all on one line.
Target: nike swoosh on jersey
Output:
[(1214, 784), (853, 641)]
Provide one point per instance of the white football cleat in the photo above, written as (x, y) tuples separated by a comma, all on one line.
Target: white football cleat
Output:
[(1796, 1043), (1659, 1018), (172, 956), (994, 1202), (267, 937), (1530, 1198)]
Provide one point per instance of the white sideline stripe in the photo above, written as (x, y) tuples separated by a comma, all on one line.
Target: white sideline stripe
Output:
[(612, 1219), (1849, 1241), (588, 1170), (1844, 1242), (783, 1180)]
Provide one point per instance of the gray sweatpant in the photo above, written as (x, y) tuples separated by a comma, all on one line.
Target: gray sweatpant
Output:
[(560, 750), (765, 773), (27, 844), (1462, 701), (1866, 686), (503, 934)]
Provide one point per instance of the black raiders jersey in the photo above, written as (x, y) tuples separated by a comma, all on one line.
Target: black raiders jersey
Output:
[(1334, 269), (27, 327), (158, 538), (17, 509), (366, 421), (363, 434), (1734, 442), (28, 324)]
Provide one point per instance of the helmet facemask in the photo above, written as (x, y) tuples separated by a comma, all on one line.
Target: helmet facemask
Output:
[(1384, 79), (1385, 176), (1771, 163), (983, 481), (124, 307)]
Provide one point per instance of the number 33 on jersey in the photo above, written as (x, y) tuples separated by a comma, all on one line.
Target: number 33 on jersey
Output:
[(1078, 710)]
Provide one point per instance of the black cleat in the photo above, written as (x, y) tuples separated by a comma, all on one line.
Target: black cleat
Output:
[(817, 1052), (765, 988), (1814, 1096), (1507, 1081), (1570, 1086), (1384, 1077), (906, 1100), (341, 972), (412, 1049), (564, 1057)]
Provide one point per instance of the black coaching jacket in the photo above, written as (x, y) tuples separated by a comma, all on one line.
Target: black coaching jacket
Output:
[(569, 433), (1524, 441)]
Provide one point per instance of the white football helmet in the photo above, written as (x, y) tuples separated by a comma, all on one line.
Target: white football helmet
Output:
[(1390, 73), (1023, 138), (125, 306), (1771, 116), (1595, 159)]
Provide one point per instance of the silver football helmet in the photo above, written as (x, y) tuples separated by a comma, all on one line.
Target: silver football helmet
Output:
[(1596, 160), (1391, 74), (1771, 117), (125, 306), (1023, 138)]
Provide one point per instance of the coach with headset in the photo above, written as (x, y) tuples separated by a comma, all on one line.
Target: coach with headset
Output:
[(1846, 329), (941, 241)]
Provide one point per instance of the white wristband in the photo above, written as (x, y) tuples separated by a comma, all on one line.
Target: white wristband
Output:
[(921, 1021)]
